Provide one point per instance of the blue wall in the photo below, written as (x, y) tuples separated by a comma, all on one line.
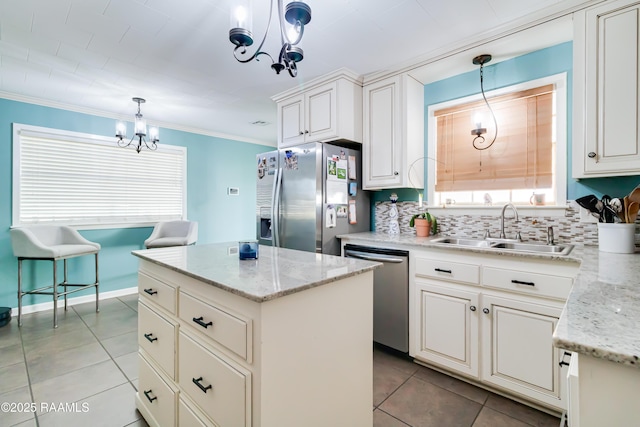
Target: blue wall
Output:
[(542, 63), (213, 164)]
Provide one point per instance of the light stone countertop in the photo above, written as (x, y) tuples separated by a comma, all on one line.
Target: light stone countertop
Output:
[(601, 317), (277, 272)]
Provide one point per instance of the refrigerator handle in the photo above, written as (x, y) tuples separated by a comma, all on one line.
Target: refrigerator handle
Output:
[(275, 208)]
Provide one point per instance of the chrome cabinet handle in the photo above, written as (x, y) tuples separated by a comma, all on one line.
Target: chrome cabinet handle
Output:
[(591, 155), (149, 337), (199, 321), (196, 381), (472, 308), (485, 310), (396, 173)]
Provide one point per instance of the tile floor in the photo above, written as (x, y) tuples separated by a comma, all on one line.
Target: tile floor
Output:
[(90, 362)]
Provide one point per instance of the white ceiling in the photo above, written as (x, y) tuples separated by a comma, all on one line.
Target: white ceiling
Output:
[(95, 55)]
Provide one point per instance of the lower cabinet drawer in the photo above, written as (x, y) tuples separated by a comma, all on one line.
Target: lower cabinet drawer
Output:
[(527, 283), (221, 389), (157, 336), (224, 328), (189, 417), (159, 292), (156, 395), (447, 270)]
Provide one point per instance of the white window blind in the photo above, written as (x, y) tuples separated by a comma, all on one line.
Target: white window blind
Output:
[(70, 178)]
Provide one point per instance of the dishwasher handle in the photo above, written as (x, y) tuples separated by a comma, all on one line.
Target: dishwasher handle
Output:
[(373, 257)]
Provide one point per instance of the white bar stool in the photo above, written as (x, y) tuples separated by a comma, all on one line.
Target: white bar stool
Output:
[(52, 243)]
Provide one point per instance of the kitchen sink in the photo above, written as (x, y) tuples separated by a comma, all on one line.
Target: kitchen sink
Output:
[(464, 242), (534, 247), (505, 246)]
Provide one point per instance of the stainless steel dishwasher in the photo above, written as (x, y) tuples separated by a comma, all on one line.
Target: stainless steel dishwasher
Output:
[(390, 294)]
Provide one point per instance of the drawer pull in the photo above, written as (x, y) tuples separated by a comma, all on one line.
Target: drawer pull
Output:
[(196, 381), (562, 362), (520, 282), (150, 337), (150, 291), (485, 310), (443, 271), (151, 399), (472, 308), (199, 321)]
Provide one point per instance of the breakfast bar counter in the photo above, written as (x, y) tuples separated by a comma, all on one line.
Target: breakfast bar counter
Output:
[(258, 343)]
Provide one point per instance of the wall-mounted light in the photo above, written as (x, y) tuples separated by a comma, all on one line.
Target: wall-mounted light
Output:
[(139, 130), (479, 140), (297, 14)]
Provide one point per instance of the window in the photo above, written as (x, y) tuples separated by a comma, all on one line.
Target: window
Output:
[(62, 177), (528, 156)]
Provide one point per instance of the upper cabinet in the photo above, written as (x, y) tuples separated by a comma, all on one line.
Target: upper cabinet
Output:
[(393, 146), (606, 137), (328, 109)]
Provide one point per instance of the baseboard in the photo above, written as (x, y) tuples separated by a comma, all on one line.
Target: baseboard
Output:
[(34, 308)]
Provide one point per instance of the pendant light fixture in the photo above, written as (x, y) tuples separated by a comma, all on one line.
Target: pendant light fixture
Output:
[(297, 14), (478, 141), (139, 130)]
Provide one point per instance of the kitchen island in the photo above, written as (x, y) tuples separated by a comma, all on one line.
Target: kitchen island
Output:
[(284, 340)]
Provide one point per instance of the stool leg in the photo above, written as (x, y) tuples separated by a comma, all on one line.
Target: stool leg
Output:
[(19, 292), (55, 295), (65, 283), (97, 285)]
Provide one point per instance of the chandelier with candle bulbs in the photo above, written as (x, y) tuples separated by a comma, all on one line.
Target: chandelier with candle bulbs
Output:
[(139, 131), (296, 14)]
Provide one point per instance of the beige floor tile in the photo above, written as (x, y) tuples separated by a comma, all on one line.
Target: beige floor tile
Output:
[(121, 344), (9, 334), (115, 324), (111, 408), (11, 355), (382, 419), (43, 367), (386, 380), (455, 385), (58, 341), (521, 412), (13, 377), (422, 404), (80, 384), (129, 363), (18, 413), (490, 418)]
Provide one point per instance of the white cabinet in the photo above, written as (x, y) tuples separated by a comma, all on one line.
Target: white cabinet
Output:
[(327, 109), (519, 354), (490, 319), (606, 136), (393, 146), (448, 327)]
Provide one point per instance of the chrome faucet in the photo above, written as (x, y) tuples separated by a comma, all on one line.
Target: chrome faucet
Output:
[(515, 211), (550, 241)]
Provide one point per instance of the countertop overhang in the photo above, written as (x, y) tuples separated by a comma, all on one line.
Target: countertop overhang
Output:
[(602, 313), (277, 272)]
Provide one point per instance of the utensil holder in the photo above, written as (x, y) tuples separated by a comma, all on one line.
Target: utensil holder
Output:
[(616, 237)]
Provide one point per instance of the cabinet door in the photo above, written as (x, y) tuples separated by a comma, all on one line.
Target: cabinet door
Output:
[(291, 126), (519, 354), (320, 113), (448, 332), (611, 65), (382, 139)]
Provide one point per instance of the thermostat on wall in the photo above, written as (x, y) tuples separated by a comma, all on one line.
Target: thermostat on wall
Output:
[(233, 191)]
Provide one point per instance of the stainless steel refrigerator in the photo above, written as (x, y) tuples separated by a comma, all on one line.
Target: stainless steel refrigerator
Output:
[(308, 194)]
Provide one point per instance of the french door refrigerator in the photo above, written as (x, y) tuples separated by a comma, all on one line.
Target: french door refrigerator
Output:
[(308, 194)]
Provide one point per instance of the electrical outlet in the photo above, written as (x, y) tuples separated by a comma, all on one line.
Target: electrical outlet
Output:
[(586, 216)]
